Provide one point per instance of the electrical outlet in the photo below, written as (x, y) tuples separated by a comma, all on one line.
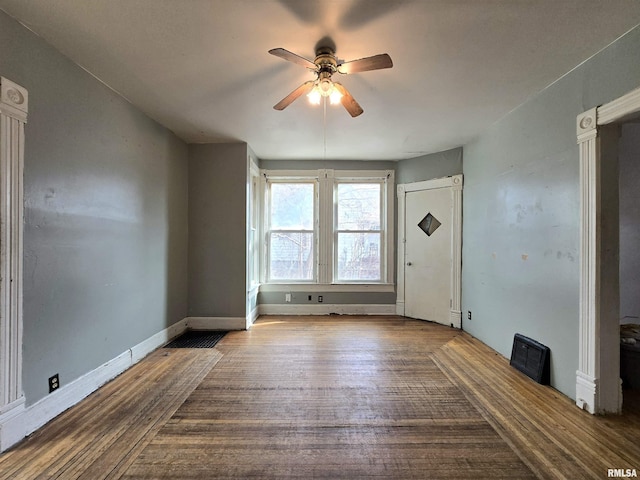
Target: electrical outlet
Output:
[(468, 314), (320, 298), (309, 298), (287, 297), (54, 383)]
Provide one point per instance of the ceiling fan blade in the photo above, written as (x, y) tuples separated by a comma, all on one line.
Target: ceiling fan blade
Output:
[(376, 62), (348, 102), (288, 100), (292, 57)]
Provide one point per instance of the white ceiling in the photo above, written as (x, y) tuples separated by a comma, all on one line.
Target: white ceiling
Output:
[(201, 67)]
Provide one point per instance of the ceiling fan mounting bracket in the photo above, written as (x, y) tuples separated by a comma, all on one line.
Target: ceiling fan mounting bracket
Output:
[(325, 50)]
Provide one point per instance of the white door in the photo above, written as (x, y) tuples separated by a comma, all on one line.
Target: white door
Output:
[(428, 254)]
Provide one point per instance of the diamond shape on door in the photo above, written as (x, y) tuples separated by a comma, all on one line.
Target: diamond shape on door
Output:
[(429, 224)]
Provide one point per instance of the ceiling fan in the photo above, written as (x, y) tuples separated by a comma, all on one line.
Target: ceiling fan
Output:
[(324, 66)]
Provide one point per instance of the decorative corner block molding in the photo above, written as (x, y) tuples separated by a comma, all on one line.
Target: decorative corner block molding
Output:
[(586, 125), (14, 99)]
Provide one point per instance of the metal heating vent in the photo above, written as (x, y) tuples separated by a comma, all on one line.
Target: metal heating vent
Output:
[(531, 358), (196, 339)]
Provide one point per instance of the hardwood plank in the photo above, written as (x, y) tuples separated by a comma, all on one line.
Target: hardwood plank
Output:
[(328, 397), (551, 435), (102, 435)]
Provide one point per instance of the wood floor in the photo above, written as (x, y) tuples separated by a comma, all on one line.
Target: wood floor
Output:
[(328, 397)]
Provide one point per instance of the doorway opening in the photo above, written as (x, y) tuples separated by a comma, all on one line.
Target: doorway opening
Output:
[(598, 383), (629, 239)]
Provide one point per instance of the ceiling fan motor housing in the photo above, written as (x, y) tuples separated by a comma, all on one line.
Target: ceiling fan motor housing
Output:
[(326, 60)]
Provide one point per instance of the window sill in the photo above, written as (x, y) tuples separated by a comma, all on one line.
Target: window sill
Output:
[(326, 287)]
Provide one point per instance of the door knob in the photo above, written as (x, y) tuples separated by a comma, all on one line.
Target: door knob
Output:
[(408, 264)]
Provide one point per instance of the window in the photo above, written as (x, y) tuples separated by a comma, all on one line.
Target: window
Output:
[(357, 245), (328, 227), (291, 231)]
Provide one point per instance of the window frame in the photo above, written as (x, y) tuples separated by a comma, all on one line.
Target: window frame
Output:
[(270, 180), (336, 230), (325, 232), (253, 231)]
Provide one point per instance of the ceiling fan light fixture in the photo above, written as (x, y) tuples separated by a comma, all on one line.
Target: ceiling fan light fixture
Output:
[(325, 86), (314, 96), (335, 96)]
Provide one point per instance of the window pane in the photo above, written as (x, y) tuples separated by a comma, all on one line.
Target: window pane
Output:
[(292, 206), (291, 256), (358, 256), (359, 206)]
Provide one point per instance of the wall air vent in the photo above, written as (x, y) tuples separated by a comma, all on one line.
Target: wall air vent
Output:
[(531, 358)]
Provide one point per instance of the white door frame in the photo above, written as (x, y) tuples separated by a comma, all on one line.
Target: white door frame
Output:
[(13, 116), (455, 182), (598, 387)]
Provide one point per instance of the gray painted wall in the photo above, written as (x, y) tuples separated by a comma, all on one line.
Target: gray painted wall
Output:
[(338, 298), (629, 166), (428, 167), (521, 213), (105, 236), (335, 164), (217, 230)]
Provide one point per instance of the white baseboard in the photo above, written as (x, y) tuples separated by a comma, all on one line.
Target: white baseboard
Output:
[(11, 425), (326, 309), (253, 316), (586, 392), (217, 323), (144, 348), (14, 426)]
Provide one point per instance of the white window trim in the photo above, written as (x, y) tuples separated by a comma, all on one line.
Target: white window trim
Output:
[(325, 233), (253, 230), (296, 177), (336, 231), (333, 288)]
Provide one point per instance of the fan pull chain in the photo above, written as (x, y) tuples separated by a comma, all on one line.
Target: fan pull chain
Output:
[(324, 128)]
